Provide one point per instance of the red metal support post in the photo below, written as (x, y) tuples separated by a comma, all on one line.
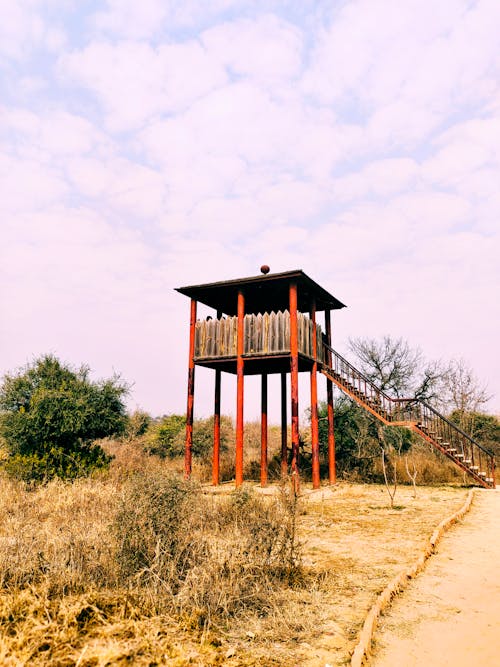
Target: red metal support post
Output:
[(216, 449), (239, 390), (314, 403), (284, 451), (263, 433), (294, 382), (188, 452), (332, 474)]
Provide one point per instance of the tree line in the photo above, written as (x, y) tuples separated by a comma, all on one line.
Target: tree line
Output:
[(52, 415)]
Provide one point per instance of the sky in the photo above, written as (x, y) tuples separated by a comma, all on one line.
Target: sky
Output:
[(155, 144)]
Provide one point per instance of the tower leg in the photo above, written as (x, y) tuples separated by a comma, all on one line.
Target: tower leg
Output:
[(284, 451), (188, 452), (216, 452), (294, 382), (239, 390), (314, 404), (332, 473), (263, 433), (216, 448)]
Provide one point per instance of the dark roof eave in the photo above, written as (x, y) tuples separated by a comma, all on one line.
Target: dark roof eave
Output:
[(197, 292)]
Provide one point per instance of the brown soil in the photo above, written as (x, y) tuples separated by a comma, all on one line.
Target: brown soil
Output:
[(450, 615)]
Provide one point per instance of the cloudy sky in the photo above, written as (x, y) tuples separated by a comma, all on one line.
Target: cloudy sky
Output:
[(147, 145)]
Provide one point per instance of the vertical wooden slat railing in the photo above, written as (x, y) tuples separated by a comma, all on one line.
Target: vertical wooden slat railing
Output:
[(264, 333)]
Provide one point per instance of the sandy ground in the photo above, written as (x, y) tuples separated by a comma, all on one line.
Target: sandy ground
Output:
[(450, 615)]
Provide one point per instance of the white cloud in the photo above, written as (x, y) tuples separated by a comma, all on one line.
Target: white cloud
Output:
[(130, 19), (24, 28), (173, 147), (377, 179), (133, 20), (122, 185), (406, 66), (135, 81), (266, 48), (27, 185)]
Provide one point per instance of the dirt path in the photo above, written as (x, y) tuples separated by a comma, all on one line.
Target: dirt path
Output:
[(450, 616)]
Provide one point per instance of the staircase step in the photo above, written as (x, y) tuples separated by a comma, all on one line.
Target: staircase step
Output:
[(424, 419)]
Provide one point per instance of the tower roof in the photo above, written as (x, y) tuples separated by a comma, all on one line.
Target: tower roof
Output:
[(263, 293)]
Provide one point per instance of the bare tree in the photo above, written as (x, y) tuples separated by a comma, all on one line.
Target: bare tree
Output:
[(393, 441), (412, 475), (397, 368), (464, 395)]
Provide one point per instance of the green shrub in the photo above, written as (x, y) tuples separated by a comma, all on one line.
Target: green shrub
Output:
[(167, 436), (137, 424), (50, 414)]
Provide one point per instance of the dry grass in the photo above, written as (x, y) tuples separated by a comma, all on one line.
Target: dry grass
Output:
[(114, 570)]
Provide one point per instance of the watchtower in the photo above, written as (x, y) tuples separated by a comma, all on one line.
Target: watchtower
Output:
[(264, 324)]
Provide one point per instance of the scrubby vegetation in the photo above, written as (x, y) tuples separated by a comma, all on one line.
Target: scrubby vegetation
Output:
[(50, 416), (132, 547), (138, 567), (135, 565)]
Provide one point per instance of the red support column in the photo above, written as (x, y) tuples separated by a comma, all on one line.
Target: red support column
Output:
[(284, 451), (332, 474), (314, 403), (216, 449), (294, 382), (263, 433), (188, 452), (239, 390), (216, 452)]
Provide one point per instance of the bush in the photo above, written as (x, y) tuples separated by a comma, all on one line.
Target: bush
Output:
[(206, 557), (50, 414), (137, 424), (166, 437)]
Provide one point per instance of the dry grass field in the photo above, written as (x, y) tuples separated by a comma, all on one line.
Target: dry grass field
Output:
[(134, 567)]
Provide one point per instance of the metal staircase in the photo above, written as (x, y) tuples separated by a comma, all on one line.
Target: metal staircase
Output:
[(474, 459)]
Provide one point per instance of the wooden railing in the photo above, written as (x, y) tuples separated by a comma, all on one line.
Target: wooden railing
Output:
[(264, 334), (417, 415)]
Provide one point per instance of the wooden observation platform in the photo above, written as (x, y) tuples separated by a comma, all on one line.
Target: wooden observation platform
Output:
[(268, 324), (263, 324)]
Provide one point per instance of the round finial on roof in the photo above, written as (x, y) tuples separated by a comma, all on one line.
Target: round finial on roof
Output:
[(264, 269)]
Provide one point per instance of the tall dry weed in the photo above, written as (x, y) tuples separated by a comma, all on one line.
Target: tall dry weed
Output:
[(204, 557), (152, 540), (56, 534)]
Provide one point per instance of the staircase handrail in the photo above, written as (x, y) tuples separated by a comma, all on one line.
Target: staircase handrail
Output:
[(406, 400), (367, 380), (456, 428)]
